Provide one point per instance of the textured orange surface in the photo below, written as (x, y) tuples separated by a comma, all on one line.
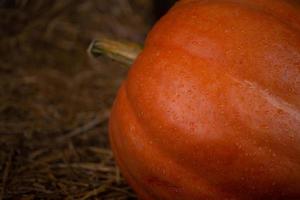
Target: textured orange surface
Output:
[(211, 108)]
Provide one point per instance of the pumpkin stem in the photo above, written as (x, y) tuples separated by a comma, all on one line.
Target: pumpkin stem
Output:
[(121, 51)]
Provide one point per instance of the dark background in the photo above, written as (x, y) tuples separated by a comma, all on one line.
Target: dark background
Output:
[(55, 98)]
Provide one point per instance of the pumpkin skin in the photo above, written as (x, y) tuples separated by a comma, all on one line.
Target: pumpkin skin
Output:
[(210, 108)]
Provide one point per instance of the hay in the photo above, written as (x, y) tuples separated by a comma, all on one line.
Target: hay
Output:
[(55, 100)]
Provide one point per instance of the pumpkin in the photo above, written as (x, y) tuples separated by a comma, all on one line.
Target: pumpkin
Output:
[(210, 109)]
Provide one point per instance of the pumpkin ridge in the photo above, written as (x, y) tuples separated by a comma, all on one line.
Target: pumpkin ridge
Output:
[(164, 155), (171, 155), (143, 191), (273, 99), (127, 172)]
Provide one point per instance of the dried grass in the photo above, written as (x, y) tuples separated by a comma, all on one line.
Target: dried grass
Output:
[(55, 100)]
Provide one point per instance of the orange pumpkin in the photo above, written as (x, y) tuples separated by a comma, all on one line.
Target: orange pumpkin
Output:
[(211, 107)]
